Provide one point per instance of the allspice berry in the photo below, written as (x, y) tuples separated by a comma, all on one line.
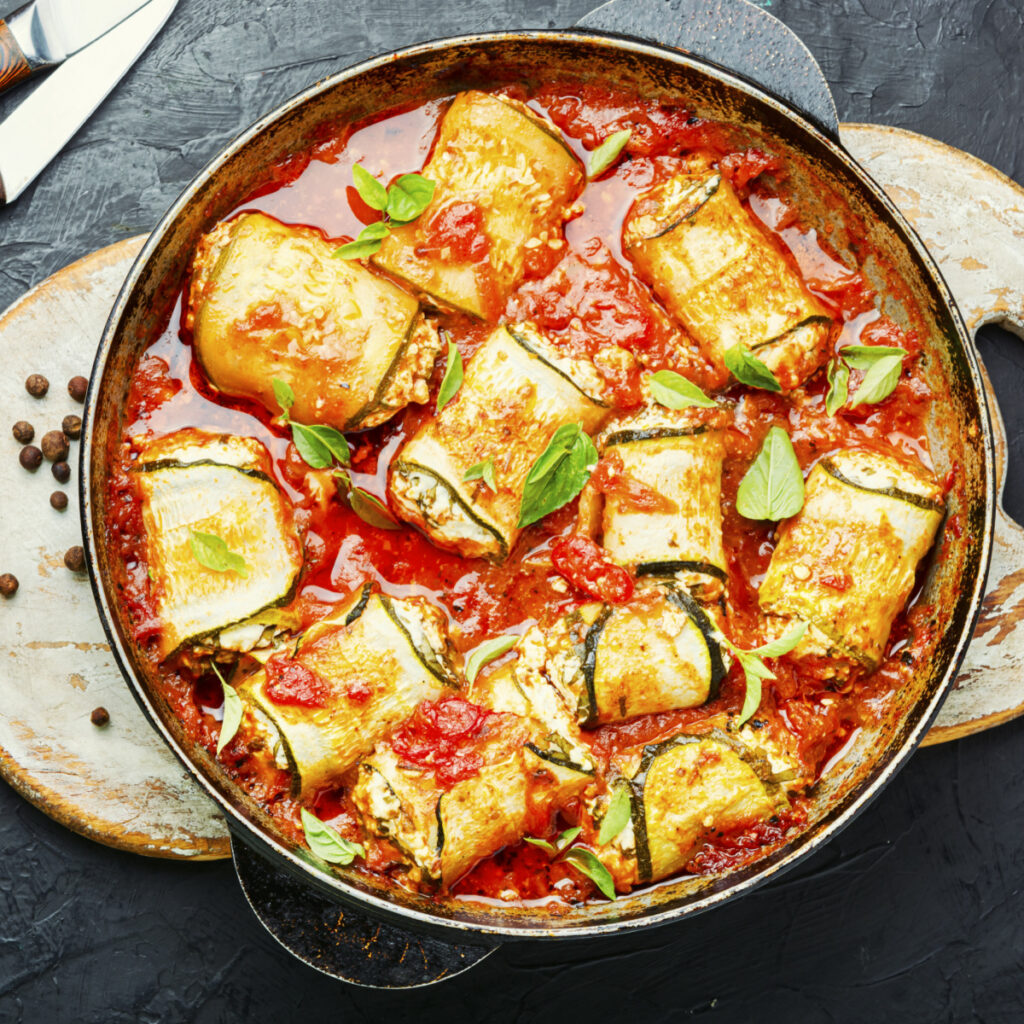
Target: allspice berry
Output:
[(59, 500), (74, 558), (23, 432), (61, 472), (30, 457), (54, 445), (8, 584), (99, 716), (72, 426), (37, 385), (77, 387)]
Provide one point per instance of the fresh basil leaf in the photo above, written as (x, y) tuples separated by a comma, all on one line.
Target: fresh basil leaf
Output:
[(342, 481), (487, 652), (333, 441), (371, 510), (620, 810), (559, 473), (367, 242), (607, 153), (879, 381), (542, 843), (232, 717), (751, 699), (210, 550), (326, 843), (773, 487), (452, 380), (749, 370), (566, 837), (784, 644), (313, 450), (409, 197), (863, 357), (370, 190), (586, 861), (284, 396), (482, 471), (838, 386), (674, 391)]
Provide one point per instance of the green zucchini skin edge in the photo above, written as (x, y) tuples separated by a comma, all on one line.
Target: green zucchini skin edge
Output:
[(817, 319), (670, 568), (435, 665), (561, 760), (917, 500), (403, 468), (652, 434), (707, 189), (360, 605), (531, 351), (378, 396), (590, 645)]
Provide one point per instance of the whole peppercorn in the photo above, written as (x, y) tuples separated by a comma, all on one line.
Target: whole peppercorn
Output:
[(77, 387), (74, 558), (99, 716), (54, 445), (30, 457), (37, 385), (59, 500), (61, 472), (8, 584), (23, 432), (72, 426)]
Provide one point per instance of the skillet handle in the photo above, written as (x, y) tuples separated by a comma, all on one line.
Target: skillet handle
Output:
[(971, 218), (342, 942), (735, 35)]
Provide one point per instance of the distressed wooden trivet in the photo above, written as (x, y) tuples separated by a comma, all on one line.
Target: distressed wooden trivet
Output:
[(117, 784), (971, 218), (121, 786)]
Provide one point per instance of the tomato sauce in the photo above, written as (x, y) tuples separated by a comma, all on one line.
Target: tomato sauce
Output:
[(590, 303)]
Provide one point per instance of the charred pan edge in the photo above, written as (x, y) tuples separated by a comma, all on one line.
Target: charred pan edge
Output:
[(403, 467), (652, 434), (816, 319), (559, 759), (706, 190), (682, 600), (530, 350), (378, 396), (434, 663), (889, 492), (671, 568)]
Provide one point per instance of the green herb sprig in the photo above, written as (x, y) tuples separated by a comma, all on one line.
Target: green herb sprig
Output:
[(881, 366), (452, 380), (582, 859), (607, 153), (213, 552), (559, 473), (749, 370), (232, 718), (773, 487), (318, 445), (674, 391), (482, 471), (487, 652), (403, 202), (755, 670), (325, 843)]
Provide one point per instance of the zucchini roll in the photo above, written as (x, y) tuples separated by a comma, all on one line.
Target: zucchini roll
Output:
[(269, 301), (348, 681), (682, 792), (676, 455), (196, 486), (691, 240), (517, 392), (524, 767), (504, 179), (846, 562)]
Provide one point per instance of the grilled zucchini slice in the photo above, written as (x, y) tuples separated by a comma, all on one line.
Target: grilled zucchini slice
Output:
[(692, 241), (516, 393), (269, 301), (378, 658), (512, 168), (846, 563), (192, 482)]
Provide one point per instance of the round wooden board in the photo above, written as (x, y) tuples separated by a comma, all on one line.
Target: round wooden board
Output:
[(120, 786), (117, 784)]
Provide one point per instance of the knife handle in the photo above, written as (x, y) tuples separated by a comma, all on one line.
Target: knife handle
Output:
[(14, 64)]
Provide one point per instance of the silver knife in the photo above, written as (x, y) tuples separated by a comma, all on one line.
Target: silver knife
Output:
[(37, 130), (44, 33)]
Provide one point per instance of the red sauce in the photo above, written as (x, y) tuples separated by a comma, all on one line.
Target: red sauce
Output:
[(290, 682), (456, 232), (611, 477), (585, 296)]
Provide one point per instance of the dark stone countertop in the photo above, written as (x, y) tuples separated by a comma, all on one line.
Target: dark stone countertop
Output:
[(915, 913)]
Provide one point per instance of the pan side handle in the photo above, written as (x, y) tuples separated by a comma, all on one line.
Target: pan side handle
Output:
[(737, 36), (971, 218)]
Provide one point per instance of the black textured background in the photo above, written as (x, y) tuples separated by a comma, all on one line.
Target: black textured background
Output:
[(916, 913)]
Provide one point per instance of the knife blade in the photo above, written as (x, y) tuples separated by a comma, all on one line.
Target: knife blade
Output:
[(44, 33), (38, 129)]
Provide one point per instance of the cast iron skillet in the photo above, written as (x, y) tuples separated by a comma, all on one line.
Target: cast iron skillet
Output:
[(818, 169)]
